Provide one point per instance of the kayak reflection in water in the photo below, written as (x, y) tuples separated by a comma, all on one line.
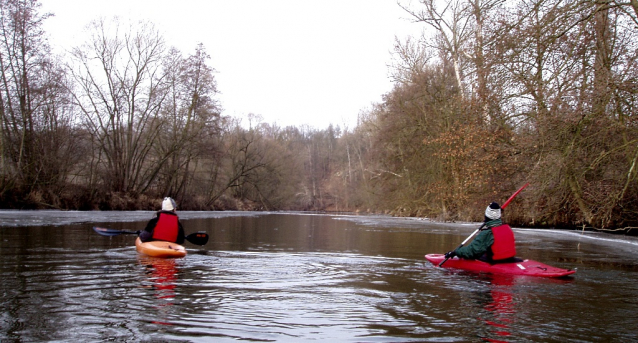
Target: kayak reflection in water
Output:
[(165, 226), (500, 307), (162, 274), (495, 243)]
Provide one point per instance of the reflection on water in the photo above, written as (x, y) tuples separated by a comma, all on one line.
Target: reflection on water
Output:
[(501, 307), (290, 277), (162, 277)]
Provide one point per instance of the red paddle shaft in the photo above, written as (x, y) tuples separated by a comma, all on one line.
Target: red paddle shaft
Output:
[(479, 229), (514, 195)]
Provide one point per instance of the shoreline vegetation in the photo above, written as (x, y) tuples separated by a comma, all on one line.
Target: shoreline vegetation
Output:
[(119, 123), (144, 203)]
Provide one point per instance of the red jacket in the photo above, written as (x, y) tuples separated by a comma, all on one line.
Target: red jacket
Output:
[(504, 245)]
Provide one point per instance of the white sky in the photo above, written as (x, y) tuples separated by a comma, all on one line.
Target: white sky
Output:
[(293, 62)]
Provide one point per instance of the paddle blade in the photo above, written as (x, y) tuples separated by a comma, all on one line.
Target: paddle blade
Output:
[(514, 196), (112, 232), (198, 238), (105, 231)]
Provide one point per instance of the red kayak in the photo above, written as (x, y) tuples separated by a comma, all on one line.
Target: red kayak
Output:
[(525, 267)]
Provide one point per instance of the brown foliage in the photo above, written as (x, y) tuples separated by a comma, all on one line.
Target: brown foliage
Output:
[(541, 91)]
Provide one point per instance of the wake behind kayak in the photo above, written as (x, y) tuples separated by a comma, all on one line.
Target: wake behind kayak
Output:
[(525, 267)]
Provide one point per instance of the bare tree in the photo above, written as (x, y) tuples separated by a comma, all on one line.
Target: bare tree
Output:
[(409, 58), (243, 157), (121, 87), (453, 30), (36, 133), (191, 117)]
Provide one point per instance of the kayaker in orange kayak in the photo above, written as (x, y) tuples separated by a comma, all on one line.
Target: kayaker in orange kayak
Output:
[(165, 226), (495, 243)]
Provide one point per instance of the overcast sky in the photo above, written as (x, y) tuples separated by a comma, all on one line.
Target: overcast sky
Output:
[(293, 62)]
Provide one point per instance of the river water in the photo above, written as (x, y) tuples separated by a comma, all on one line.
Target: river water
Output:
[(289, 277)]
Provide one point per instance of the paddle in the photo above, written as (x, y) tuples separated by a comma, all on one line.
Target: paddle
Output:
[(197, 238), (479, 229)]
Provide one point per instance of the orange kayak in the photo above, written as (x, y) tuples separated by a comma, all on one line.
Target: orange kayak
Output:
[(160, 248)]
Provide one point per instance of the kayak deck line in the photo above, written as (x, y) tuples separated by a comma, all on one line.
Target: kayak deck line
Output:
[(524, 267)]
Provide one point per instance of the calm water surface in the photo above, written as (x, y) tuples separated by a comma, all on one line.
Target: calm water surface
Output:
[(271, 277)]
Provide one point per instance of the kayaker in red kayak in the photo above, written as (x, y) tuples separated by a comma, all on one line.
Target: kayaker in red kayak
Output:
[(494, 244), (165, 226)]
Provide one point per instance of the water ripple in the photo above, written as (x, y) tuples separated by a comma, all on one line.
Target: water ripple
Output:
[(315, 279)]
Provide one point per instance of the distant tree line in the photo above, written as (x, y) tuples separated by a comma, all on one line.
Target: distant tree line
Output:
[(502, 93)]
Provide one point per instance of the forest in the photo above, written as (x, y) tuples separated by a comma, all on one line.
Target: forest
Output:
[(496, 95)]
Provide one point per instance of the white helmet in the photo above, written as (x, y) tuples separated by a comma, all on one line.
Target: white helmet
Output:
[(168, 204)]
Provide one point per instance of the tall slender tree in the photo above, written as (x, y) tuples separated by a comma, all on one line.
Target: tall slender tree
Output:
[(36, 138), (191, 117)]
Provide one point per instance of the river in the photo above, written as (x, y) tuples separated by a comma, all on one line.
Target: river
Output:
[(289, 277)]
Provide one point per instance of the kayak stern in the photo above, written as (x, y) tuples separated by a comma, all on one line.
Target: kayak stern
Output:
[(159, 248)]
